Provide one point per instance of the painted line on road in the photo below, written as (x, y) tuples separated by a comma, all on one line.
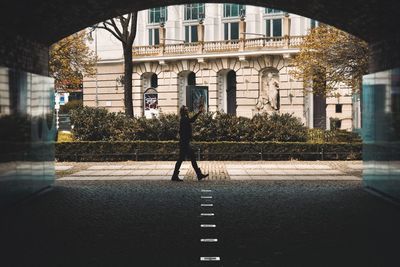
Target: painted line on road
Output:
[(208, 225), (206, 190), (207, 205), (209, 240), (207, 214), (206, 197), (210, 258)]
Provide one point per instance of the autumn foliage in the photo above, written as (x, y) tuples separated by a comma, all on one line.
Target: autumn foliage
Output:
[(329, 57), (70, 60)]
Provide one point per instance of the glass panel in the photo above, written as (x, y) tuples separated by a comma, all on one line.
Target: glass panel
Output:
[(227, 10), (187, 12), (154, 80), (235, 31), (27, 134), (277, 27), (156, 36), (155, 14), (151, 37), (313, 23), (226, 31), (187, 39), (381, 132), (194, 33), (268, 27)]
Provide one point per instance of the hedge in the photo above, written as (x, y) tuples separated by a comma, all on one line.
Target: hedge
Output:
[(168, 150)]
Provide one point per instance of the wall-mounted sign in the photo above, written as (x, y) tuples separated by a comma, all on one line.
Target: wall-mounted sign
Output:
[(150, 99), (197, 96)]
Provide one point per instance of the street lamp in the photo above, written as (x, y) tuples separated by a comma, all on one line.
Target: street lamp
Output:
[(94, 29)]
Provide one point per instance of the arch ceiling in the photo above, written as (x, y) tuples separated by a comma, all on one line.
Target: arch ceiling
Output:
[(47, 21)]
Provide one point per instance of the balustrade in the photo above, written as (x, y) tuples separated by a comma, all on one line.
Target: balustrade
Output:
[(266, 43)]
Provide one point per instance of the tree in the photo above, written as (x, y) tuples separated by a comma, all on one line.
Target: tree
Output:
[(124, 29), (328, 57), (70, 59)]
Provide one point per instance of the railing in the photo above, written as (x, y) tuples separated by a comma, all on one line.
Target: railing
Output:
[(221, 46), (138, 155), (253, 44)]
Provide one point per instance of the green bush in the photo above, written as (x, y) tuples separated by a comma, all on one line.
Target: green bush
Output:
[(337, 136), (168, 150), (71, 105), (97, 124)]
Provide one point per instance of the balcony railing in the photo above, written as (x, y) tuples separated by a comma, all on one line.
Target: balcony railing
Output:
[(270, 43)]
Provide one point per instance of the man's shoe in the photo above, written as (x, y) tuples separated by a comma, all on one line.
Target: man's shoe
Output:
[(202, 176), (176, 179)]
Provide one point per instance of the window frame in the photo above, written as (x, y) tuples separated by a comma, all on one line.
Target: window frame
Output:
[(224, 7), (151, 14), (199, 6)]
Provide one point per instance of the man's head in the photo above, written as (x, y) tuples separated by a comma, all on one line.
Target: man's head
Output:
[(184, 111)]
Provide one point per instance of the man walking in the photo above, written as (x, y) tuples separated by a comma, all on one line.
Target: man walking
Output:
[(185, 149)]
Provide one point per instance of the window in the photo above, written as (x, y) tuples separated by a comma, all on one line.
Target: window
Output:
[(339, 108), (191, 79), (233, 10), (158, 14), (231, 31), (191, 33), (194, 11), (154, 36), (273, 27), (154, 80), (313, 23), (272, 11)]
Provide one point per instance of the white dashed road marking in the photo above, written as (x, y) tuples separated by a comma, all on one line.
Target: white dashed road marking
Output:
[(207, 205), (209, 240), (206, 197), (206, 214), (210, 258), (208, 225)]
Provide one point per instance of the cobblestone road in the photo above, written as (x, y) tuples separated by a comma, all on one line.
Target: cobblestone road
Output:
[(158, 223)]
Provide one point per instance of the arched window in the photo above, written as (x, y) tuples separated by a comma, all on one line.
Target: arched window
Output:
[(154, 80), (191, 79), (231, 92)]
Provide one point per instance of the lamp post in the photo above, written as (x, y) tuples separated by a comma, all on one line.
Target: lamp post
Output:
[(94, 29)]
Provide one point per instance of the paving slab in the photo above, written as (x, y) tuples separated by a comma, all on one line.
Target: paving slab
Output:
[(63, 168), (105, 167)]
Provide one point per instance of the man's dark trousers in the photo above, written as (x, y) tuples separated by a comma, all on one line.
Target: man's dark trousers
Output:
[(185, 149)]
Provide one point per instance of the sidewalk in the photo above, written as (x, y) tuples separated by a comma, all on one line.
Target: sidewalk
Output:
[(218, 170)]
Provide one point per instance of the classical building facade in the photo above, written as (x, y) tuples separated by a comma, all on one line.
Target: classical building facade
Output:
[(234, 58)]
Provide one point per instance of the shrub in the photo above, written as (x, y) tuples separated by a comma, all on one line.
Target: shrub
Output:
[(337, 136), (96, 124), (168, 150), (335, 123), (71, 105)]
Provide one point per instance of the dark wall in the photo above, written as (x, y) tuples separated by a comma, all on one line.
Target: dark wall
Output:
[(38, 24)]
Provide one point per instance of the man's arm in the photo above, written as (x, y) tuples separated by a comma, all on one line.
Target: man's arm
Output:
[(193, 119)]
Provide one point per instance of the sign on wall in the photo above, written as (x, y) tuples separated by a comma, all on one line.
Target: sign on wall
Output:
[(151, 103), (196, 96)]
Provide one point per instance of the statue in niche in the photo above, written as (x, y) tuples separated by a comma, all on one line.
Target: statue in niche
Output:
[(269, 92)]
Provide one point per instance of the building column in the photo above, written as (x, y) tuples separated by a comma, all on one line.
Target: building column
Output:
[(286, 29), (242, 33), (200, 36)]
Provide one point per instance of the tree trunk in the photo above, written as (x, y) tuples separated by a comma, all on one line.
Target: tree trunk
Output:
[(128, 69)]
